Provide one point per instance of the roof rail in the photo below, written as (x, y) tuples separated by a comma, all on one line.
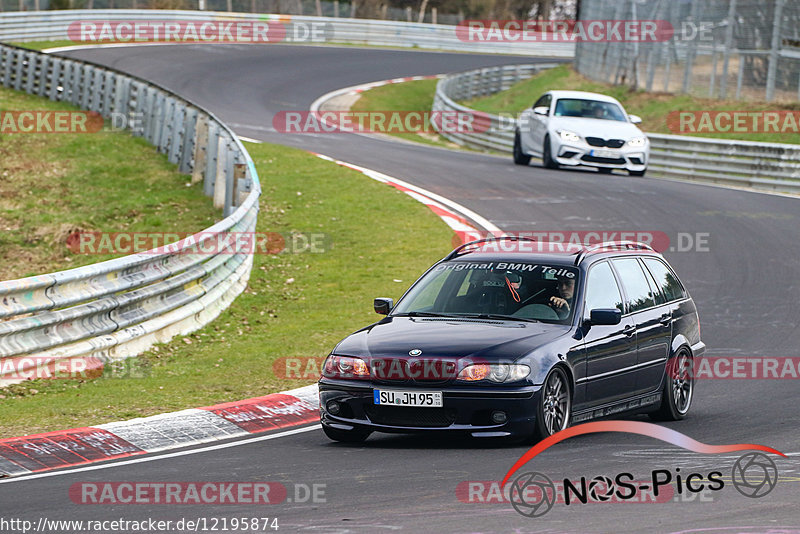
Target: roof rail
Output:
[(460, 248), (618, 245)]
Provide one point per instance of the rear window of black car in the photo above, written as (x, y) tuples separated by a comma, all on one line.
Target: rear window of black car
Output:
[(667, 281), (639, 293)]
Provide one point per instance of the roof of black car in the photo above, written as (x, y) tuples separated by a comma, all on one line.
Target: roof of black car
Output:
[(511, 249)]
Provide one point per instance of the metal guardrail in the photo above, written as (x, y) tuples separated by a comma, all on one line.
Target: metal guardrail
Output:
[(52, 25), (768, 166), (118, 308)]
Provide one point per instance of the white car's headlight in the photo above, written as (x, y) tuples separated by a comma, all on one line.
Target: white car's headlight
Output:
[(637, 142), (566, 135)]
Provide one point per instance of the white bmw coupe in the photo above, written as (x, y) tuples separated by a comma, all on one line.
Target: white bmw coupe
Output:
[(573, 128)]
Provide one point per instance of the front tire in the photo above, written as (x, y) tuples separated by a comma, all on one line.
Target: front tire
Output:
[(346, 436), (604, 170), (547, 157), (555, 405), (520, 158), (678, 391), (637, 173)]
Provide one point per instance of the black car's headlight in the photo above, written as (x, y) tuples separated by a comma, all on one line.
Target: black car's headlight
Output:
[(494, 372), (345, 367)]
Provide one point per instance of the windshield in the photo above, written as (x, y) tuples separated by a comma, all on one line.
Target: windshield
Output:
[(593, 109), (523, 291)]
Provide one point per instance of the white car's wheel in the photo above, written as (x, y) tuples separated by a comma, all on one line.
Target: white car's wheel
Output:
[(547, 157), (520, 158)]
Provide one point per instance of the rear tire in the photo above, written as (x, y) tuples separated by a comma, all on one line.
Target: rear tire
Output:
[(555, 405), (547, 157), (678, 391), (637, 173), (346, 436), (520, 158)]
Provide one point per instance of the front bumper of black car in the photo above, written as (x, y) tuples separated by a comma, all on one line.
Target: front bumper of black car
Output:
[(467, 410)]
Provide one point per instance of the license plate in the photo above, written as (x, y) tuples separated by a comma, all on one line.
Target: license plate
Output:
[(613, 154), (422, 399)]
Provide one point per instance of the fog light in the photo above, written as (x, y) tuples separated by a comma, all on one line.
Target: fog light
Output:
[(333, 407), (499, 417)]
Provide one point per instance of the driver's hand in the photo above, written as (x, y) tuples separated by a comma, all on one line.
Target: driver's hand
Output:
[(558, 302)]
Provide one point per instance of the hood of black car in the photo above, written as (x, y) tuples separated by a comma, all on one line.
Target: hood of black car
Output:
[(435, 337)]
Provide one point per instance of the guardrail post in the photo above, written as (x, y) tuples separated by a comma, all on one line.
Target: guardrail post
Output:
[(189, 137), (240, 183), (178, 129), (200, 148), (30, 74), (211, 159), (230, 179), (166, 130), (55, 78), (220, 179), (19, 58)]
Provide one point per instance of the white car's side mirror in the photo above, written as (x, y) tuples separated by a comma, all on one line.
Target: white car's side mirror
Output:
[(635, 119), (541, 110)]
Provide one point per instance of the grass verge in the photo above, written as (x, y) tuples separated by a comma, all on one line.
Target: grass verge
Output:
[(415, 95), (41, 45), (653, 107), (296, 305), (53, 184)]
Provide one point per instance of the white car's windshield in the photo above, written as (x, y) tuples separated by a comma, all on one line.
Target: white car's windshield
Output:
[(525, 291), (592, 109)]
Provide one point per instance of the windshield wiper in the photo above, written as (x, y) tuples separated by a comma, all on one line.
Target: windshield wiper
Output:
[(423, 314), (499, 316)]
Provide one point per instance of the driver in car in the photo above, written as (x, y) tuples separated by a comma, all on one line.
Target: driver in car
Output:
[(562, 304)]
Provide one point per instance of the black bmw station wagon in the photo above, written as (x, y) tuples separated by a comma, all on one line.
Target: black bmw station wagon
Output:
[(506, 337)]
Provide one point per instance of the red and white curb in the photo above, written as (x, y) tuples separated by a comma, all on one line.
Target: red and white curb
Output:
[(78, 446)]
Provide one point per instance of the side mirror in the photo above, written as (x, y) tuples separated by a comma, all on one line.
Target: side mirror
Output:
[(635, 119), (541, 110), (605, 316), (383, 305)]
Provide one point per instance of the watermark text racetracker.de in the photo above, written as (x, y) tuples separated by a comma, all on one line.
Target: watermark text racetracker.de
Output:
[(387, 122), (211, 243), (273, 29), (192, 493), (50, 122), (564, 241), (585, 31), (738, 122), (740, 368), (35, 367)]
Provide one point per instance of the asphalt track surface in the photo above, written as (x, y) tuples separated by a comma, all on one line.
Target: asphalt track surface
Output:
[(745, 287)]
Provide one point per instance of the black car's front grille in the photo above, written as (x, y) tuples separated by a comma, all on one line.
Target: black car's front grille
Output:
[(610, 143), (595, 159), (410, 417)]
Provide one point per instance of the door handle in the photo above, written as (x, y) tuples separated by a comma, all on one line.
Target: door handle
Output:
[(665, 318), (629, 330)]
